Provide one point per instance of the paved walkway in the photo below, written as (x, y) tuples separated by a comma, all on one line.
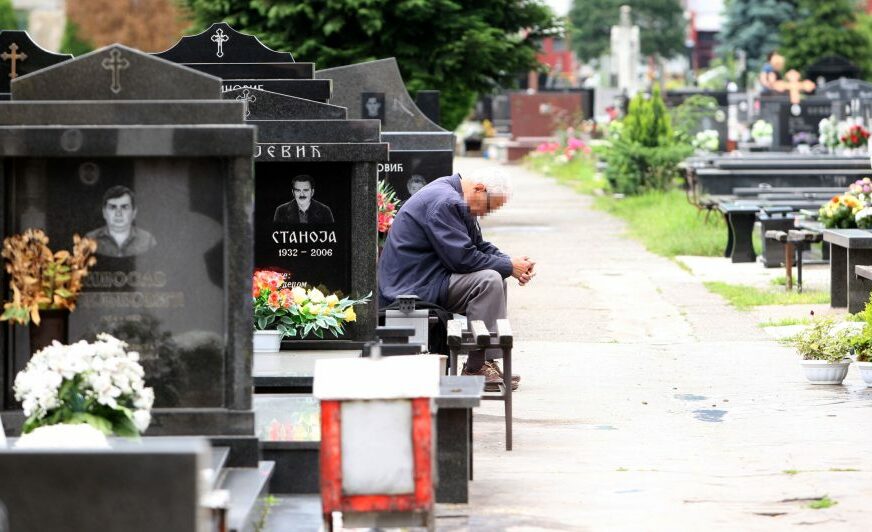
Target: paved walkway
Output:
[(647, 403)]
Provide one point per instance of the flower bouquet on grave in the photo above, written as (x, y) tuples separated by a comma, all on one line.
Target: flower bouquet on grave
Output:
[(388, 204), (828, 132), (297, 312), (762, 132), (44, 283), (856, 136), (840, 212), (707, 140), (98, 384)]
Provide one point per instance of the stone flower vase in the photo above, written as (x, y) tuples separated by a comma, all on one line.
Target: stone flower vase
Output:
[(267, 341), (865, 372), (54, 325)]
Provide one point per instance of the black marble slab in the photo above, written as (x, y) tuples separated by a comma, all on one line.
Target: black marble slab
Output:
[(220, 43), (20, 56), (318, 90)]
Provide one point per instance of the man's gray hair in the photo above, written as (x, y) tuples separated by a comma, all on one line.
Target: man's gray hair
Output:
[(496, 181)]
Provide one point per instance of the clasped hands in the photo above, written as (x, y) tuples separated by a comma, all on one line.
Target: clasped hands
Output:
[(522, 269)]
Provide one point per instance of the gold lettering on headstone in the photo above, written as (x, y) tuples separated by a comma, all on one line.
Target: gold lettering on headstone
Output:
[(116, 64), (13, 57)]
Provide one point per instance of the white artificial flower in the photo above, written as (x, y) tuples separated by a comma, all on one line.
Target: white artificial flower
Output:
[(141, 418)]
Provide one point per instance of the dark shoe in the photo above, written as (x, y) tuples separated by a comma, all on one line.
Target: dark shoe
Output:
[(516, 379), (492, 379)]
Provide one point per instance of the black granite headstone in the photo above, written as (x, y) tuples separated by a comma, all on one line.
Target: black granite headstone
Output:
[(849, 97), (120, 127), (830, 68), (794, 123), (428, 103), (309, 148), (20, 56), (242, 61), (420, 150)]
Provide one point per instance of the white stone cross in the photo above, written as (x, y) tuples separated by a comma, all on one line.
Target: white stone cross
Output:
[(219, 38), (246, 97), (116, 64)]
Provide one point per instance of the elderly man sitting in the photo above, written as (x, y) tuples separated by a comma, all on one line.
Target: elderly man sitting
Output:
[(435, 251)]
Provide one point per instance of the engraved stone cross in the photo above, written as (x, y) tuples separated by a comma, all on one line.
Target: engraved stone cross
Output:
[(14, 57), (116, 64), (219, 38), (246, 97)]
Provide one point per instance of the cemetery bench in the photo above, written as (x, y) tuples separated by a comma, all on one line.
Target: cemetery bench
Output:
[(793, 243), (849, 248), (864, 277), (461, 341), (740, 220)]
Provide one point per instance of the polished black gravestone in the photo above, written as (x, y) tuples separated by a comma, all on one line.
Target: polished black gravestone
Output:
[(20, 56), (120, 124), (420, 150), (243, 62), (793, 124), (717, 121), (849, 248), (849, 97), (306, 144)]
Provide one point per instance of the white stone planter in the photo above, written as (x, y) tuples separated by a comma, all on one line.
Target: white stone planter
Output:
[(267, 341), (865, 372), (823, 372)]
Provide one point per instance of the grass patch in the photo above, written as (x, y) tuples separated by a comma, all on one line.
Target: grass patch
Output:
[(791, 471), (785, 322), (745, 297), (667, 224), (823, 502), (844, 470), (579, 174)]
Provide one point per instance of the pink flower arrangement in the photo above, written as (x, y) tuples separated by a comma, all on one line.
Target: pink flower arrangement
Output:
[(388, 204)]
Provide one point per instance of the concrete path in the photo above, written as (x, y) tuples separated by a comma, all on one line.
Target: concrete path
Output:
[(647, 403)]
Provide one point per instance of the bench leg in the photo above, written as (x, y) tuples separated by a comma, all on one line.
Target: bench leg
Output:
[(507, 383), (838, 276), (858, 293), (742, 229), (788, 264), (728, 251), (452, 361)]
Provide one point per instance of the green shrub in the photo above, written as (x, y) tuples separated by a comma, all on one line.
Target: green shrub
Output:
[(644, 153)]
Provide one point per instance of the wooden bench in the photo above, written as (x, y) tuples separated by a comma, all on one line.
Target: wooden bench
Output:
[(794, 243), (461, 341)]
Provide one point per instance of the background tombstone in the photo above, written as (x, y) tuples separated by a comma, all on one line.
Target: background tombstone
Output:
[(791, 123), (77, 129), (20, 56), (243, 62), (420, 150), (718, 122), (849, 97), (831, 68)]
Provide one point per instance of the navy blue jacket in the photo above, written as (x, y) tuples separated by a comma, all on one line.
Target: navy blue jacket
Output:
[(433, 236)]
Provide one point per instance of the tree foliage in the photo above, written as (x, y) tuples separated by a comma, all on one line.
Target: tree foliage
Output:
[(72, 43), (8, 20), (661, 26), (822, 29), (460, 48), (753, 26)]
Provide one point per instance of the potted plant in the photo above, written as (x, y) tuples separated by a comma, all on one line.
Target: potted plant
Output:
[(824, 348), (854, 139), (98, 384), (44, 284), (706, 141), (281, 312)]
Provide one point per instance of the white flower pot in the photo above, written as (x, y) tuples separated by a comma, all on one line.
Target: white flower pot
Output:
[(763, 141), (865, 372), (823, 372), (267, 341)]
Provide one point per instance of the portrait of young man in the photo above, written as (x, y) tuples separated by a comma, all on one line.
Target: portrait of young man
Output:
[(120, 237)]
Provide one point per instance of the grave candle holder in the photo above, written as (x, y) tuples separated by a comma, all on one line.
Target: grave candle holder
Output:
[(377, 440)]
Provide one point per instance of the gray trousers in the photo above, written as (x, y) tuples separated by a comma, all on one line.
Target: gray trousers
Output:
[(481, 296)]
